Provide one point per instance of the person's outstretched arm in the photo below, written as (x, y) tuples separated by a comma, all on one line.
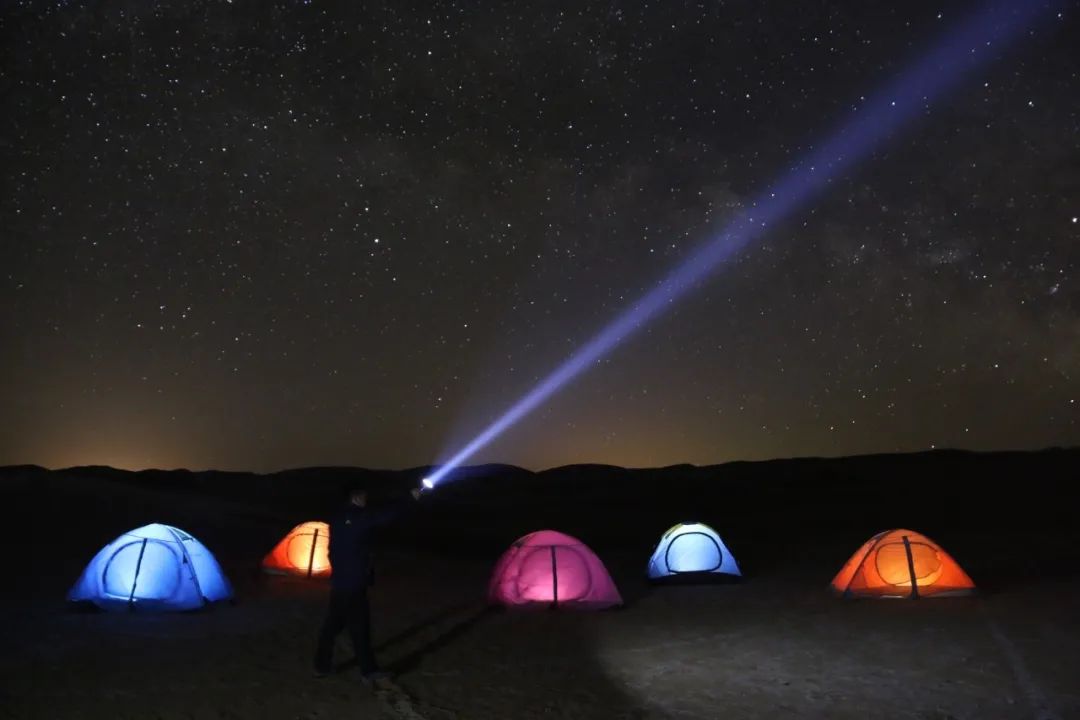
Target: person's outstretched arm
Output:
[(391, 512)]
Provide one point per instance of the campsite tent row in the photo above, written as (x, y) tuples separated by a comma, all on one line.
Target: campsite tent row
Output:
[(548, 568), (158, 567)]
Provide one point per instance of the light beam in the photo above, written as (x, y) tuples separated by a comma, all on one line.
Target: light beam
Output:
[(959, 53)]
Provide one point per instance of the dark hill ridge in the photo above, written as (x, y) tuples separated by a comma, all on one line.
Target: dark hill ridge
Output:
[(1006, 486), (501, 471), (1009, 511), (814, 475)]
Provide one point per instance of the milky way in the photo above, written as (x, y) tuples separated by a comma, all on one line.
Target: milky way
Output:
[(258, 235)]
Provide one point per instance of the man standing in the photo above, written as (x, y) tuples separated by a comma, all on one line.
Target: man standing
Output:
[(351, 536)]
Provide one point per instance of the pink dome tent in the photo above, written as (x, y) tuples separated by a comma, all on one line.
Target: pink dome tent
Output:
[(550, 569)]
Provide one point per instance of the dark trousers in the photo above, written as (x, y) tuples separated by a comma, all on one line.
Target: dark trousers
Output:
[(348, 609)]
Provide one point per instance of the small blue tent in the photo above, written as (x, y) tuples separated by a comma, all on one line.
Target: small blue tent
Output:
[(691, 548), (155, 567)]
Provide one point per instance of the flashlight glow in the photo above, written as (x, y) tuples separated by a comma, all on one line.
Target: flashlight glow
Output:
[(966, 48), (428, 483)]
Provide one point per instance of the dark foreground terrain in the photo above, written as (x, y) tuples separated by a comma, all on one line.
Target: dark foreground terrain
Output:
[(778, 645)]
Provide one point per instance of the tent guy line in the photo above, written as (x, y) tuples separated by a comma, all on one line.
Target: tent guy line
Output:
[(973, 43)]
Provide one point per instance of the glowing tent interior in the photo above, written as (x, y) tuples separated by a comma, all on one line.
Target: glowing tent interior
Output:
[(155, 567), (901, 564), (304, 551), (691, 550), (550, 569)]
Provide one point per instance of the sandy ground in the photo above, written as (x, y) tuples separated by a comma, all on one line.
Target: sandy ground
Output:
[(777, 646)]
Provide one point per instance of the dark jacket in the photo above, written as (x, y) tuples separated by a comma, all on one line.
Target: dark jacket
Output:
[(352, 533)]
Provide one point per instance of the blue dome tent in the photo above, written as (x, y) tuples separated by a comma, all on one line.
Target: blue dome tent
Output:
[(692, 549), (155, 567)]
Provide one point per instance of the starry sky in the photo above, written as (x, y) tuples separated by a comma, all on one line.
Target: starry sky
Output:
[(259, 235)]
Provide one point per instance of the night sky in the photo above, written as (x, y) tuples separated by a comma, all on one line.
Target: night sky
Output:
[(258, 235)]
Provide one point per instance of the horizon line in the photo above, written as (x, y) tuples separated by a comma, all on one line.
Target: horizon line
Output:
[(423, 468)]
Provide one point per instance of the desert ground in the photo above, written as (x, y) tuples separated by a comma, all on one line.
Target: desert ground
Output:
[(777, 645)]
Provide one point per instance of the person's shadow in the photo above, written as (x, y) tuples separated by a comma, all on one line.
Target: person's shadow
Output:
[(470, 614), (469, 617)]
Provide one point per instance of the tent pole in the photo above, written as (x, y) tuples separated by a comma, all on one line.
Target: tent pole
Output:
[(554, 579), (186, 560), (911, 569), (135, 580), (311, 556)]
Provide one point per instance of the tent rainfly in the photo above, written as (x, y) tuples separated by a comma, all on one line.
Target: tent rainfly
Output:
[(550, 569), (901, 564), (692, 550), (305, 552), (155, 567)]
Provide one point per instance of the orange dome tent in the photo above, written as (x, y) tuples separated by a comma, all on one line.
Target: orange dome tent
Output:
[(901, 564), (304, 551)]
